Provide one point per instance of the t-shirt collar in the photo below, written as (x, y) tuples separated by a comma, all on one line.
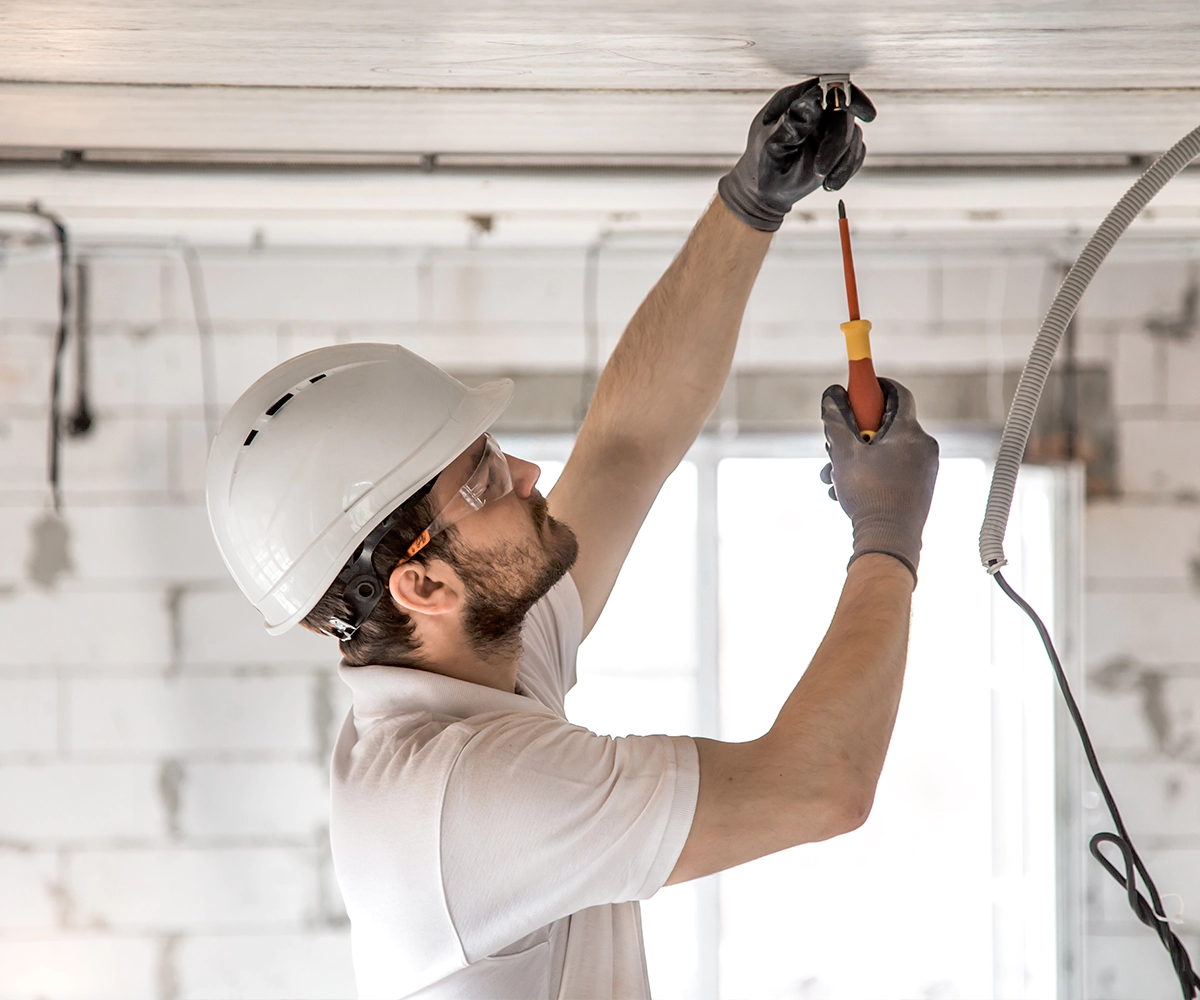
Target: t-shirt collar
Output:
[(383, 691)]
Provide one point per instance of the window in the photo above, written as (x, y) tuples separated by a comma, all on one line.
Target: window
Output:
[(949, 889)]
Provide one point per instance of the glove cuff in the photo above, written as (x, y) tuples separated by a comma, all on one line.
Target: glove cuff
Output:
[(745, 207), (887, 552)]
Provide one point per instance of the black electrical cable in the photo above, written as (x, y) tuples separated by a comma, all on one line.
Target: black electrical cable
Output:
[(60, 342), (53, 444), (1153, 916), (80, 421)]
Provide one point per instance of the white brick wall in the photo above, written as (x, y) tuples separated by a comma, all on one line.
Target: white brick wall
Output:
[(1155, 457), (28, 716), (1131, 965), (313, 966), (259, 800), (220, 627), (99, 628), (163, 762), (53, 803), (190, 888), (187, 715), (1143, 542), (1159, 628), (29, 901), (81, 966), (1143, 596)]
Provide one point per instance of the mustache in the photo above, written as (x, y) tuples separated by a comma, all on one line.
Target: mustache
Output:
[(539, 510)]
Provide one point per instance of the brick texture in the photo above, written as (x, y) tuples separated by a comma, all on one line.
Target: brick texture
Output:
[(88, 966), (311, 966), (184, 888), (73, 803), (187, 715), (28, 716), (163, 761)]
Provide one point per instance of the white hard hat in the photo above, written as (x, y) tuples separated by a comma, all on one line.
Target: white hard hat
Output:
[(320, 450)]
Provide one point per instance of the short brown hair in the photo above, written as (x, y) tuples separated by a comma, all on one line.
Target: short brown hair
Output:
[(388, 634)]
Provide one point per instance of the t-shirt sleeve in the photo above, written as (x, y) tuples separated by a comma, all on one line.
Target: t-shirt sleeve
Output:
[(542, 819)]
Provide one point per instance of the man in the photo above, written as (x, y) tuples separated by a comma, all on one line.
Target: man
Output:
[(485, 846)]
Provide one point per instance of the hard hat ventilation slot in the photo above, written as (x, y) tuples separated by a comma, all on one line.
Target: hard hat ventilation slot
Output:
[(274, 408)]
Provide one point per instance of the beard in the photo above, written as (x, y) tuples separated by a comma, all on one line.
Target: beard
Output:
[(504, 582)]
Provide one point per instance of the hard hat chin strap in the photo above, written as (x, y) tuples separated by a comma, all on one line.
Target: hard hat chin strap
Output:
[(364, 589)]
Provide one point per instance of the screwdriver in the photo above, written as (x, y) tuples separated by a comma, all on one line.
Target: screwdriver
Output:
[(866, 396)]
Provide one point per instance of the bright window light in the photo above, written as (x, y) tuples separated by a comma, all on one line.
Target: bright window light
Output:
[(902, 907), (949, 889)]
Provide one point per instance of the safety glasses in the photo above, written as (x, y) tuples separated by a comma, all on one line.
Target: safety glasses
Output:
[(489, 482)]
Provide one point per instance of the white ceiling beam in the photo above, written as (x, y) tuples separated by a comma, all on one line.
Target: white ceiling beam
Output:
[(601, 123)]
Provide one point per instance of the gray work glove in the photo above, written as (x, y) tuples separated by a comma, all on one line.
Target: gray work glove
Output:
[(795, 145), (885, 486)]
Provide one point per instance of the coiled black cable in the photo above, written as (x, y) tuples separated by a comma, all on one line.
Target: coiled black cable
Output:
[(1149, 912)]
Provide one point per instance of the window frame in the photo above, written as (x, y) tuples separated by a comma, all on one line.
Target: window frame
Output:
[(1063, 486)]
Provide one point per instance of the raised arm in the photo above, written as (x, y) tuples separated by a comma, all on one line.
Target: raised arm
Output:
[(667, 372), (813, 775), (659, 386)]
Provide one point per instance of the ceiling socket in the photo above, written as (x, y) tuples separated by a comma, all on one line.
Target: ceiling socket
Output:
[(835, 81)]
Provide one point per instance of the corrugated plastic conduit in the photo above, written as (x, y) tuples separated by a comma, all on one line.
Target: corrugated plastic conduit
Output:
[(1033, 379), (1017, 428)]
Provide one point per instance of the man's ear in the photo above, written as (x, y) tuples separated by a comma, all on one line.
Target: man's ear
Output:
[(425, 589)]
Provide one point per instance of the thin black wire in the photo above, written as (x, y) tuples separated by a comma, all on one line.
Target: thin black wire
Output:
[(590, 375), (54, 431), (194, 267), (80, 421), (1153, 916), (204, 332), (53, 445)]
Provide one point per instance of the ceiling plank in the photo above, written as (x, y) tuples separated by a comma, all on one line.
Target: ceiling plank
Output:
[(600, 123)]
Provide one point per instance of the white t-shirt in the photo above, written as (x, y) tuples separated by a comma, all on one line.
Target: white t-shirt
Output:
[(488, 848)]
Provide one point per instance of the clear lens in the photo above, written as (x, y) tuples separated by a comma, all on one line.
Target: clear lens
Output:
[(490, 481)]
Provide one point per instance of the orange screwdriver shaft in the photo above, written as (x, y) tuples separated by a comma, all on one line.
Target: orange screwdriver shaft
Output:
[(866, 395)]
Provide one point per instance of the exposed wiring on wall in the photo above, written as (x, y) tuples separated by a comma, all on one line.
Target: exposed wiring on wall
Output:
[(201, 316), (54, 431), (590, 375), (80, 421), (1017, 428), (54, 436), (1150, 912), (204, 331)]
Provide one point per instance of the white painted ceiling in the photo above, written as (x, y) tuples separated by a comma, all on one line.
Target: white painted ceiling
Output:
[(606, 78)]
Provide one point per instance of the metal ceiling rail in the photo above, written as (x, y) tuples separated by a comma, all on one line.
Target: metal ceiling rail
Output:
[(350, 160)]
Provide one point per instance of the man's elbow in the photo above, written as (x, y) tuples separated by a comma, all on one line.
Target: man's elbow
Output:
[(846, 811), (856, 810)]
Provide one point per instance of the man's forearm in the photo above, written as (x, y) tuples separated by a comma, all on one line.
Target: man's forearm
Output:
[(813, 775), (666, 373), (837, 723)]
